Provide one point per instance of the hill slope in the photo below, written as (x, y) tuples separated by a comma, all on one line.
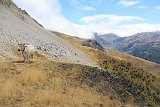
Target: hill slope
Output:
[(97, 56), (48, 83), (139, 71), (16, 26), (113, 83)]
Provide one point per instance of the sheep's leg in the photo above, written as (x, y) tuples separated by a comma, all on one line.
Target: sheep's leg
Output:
[(24, 56), (31, 57), (28, 58), (25, 59)]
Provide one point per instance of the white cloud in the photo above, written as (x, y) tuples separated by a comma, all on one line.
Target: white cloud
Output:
[(126, 3), (157, 7), (48, 13), (109, 19), (88, 8), (125, 29), (82, 2), (118, 24), (141, 7)]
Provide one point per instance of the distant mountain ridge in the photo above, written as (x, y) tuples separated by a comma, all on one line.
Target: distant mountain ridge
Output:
[(144, 45), (106, 40)]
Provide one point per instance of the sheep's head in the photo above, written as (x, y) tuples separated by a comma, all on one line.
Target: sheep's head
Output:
[(21, 47)]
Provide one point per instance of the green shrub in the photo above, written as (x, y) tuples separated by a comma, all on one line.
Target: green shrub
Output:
[(147, 83)]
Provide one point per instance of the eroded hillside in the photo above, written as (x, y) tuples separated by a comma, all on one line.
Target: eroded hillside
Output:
[(16, 26), (47, 83)]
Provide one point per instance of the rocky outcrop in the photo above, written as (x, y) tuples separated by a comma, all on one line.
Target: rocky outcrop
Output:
[(93, 44)]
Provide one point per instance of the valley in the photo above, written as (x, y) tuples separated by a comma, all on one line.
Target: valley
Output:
[(145, 45)]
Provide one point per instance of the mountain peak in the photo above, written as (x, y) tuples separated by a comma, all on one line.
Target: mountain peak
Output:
[(155, 34), (109, 34), (106, 39)]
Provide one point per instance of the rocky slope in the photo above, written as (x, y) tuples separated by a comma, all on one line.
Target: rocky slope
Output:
[(16, 26), (93, 44)]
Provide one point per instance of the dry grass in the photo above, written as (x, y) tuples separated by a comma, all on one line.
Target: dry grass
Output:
[(8, 88), (32, 75), (73, 97), (43, 84), (97, 56)]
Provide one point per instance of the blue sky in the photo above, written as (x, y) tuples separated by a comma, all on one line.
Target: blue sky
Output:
[(83, 17), (81, 8)]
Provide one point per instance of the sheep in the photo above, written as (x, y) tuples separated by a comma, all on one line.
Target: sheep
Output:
[(27, 51)]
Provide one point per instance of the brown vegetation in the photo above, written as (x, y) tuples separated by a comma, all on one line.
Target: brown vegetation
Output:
[(46, 83), (111, 53)]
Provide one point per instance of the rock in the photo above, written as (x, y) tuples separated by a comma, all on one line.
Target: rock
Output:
[(93, 44)]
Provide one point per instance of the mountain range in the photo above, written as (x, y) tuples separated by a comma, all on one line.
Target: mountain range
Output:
[(145, 45)]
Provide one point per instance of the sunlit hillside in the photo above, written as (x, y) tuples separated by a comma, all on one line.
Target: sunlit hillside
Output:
[(47, 83), (67, 71)]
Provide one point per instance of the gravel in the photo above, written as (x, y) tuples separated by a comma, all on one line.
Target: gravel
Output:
[(14, 30)]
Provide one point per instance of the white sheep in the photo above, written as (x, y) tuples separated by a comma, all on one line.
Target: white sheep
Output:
[(27, 51)]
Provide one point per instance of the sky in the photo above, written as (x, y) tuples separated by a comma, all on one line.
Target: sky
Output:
[(84, 17)]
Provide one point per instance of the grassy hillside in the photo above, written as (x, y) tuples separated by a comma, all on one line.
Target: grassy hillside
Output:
[(142, 63), (148, 52), (148, 84), (47, 83), (98, 56), (143, 74), (115, 82)]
